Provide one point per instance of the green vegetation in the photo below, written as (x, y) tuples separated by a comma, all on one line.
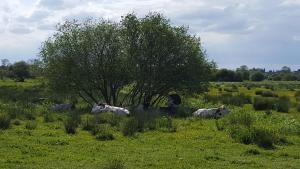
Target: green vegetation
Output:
[(244, 139)]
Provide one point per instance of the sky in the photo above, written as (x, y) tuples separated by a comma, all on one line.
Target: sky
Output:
[(257, 33)]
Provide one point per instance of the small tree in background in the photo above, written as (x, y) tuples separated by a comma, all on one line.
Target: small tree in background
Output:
[(20, 71), (257, 77)]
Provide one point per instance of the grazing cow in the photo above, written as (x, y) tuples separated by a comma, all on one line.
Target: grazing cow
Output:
[(101, 108), (211, 113), (62, 107)]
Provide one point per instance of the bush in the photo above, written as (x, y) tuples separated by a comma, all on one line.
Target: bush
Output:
[(15, 111), (166, 123), (103, 132), (17, 122), (257, 77), (241, 118), (115, 164), (184, 112), (130, 127), (260, 136), (108, 118), (283, 104), (31, 125), (229, 99), (297, 94), (298, 107), (266, 93), (71, 123), (242, 134), (146, 119), (264, 138), (88, 122), (260, 103), (252, 152), (4, 121), (48, 117), (247, 128), (231, 90)]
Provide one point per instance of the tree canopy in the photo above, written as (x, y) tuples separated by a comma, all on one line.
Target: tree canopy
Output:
[(147, 56)]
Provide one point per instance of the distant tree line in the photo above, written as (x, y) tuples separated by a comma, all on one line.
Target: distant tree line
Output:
[(243, 73), (19, 71)]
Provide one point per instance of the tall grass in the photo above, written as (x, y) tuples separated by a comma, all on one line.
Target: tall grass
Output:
[(252, 127)]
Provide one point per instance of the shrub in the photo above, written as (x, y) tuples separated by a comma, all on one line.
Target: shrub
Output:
[(15, 111), (220, 124), (30, 114), (260, 103), (71, 123), (283, 104), (264, 138), (17, 122), (252, 152), (184, 112), (229, 99), (4, 121), (266, 93), (146, 119), (103, 132), (115, 164), (297, 94), (88, 122), (298, 107), (130, 127), (166, 123), (241, 118), (109, 118), (257, 77), (238, 100), (242, 134), (31, 125), (258, 92), (48, 117), (231, 90)]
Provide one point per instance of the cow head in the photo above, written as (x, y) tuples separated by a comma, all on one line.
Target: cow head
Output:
[(221, 111)]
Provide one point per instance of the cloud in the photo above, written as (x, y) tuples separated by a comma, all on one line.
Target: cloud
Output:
[(234, 32), (52, 4), (20, 29), (290, 2), (296, 38), (36, 16)]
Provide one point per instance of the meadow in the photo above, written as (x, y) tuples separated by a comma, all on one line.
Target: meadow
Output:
[(261, 131)]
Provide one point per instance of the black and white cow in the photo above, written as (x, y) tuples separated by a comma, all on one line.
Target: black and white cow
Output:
[(211, 113), (102, 108)]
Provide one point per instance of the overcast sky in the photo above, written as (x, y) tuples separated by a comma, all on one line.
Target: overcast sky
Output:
[(258, 33)]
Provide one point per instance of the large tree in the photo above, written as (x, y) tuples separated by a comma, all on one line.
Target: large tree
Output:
[(164, 58), (146, 56), (86, 59)]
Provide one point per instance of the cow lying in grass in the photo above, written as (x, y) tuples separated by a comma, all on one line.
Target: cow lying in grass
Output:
[(211, 113), (102, 107)]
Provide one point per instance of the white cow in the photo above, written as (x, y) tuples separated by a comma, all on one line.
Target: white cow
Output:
[(211, 113), (101, 108)]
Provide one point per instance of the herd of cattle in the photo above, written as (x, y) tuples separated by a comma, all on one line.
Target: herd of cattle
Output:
[(102, 107)]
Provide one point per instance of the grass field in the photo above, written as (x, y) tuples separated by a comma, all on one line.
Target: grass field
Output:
[(196, 143)]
